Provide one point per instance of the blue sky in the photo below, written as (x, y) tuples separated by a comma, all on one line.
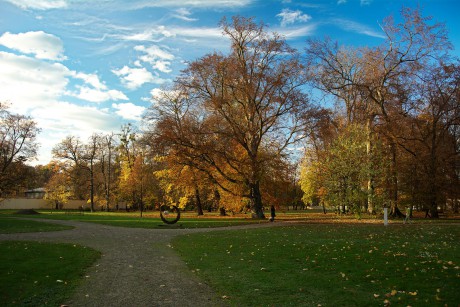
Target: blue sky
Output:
[(85, 66)]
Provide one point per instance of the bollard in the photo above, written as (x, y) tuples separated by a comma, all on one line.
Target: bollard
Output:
[(385, 216)]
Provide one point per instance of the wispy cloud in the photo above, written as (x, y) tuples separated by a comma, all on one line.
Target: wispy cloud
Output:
[(288, 17), (153, 34), (128, 5), (40, 5), (183, 14), (296, 32), (356, 27), (190, 3)]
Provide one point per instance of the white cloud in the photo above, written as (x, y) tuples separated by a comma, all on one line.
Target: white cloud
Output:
[(160, 33), (68, 119), (134, 78), (201, 32), (184, 14), (129, 110), (35, 87), (91, 79), (27, 81), (39, 4), (98, 95), (154, 52), (156, 93), (366, 2), (341, 1), (290, 17), (162, 66), (190, 3), (157, 57), (42, 45), (156, 34)]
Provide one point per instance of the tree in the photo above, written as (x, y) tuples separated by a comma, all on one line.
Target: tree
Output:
[(57, 190), (79, 162), (248, 108), (137, 184), (430, 142), (339, 178), (90, 157), (107, 156), (381, 78), (17, 145)]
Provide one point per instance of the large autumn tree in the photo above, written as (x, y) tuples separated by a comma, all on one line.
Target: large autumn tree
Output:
[(248, 106)]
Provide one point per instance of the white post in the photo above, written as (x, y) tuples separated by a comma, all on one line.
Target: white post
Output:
[(385, 216)]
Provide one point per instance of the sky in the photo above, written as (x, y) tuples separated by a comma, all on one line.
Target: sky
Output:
[(79, 67)]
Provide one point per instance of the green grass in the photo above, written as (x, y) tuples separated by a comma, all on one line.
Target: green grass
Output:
[(329, 264), (9, 225), (39, 274), (150, 221)]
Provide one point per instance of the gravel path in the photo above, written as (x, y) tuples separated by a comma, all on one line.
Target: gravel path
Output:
[(137, 268)]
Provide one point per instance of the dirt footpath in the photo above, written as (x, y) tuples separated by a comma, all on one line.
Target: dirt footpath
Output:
[(137, 268)]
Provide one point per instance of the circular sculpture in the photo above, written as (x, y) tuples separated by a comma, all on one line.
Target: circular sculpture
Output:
[(169, 214)]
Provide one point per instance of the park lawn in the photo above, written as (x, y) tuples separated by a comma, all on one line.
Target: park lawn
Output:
[(149, 220), (39, 274), (329, 264), (10, 225)]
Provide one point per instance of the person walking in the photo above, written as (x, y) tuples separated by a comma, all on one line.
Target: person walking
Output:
[(272, 213), (408, 214)]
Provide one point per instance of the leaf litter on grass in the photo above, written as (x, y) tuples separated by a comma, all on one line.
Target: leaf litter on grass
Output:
[(332, 261)]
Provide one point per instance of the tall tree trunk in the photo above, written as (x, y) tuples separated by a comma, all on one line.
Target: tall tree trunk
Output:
[(395, 212), (432, 175), (199, 206), (107, 190), (91, 173), (370, 180), (255, 201)]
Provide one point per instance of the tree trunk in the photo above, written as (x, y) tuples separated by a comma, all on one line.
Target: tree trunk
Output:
[(255, 201), (199, 206), (91, 172), (107, 191), (395, 212), (370, 181), (432, 176)]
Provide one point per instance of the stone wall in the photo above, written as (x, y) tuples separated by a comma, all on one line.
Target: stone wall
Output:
[(28, 203)]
